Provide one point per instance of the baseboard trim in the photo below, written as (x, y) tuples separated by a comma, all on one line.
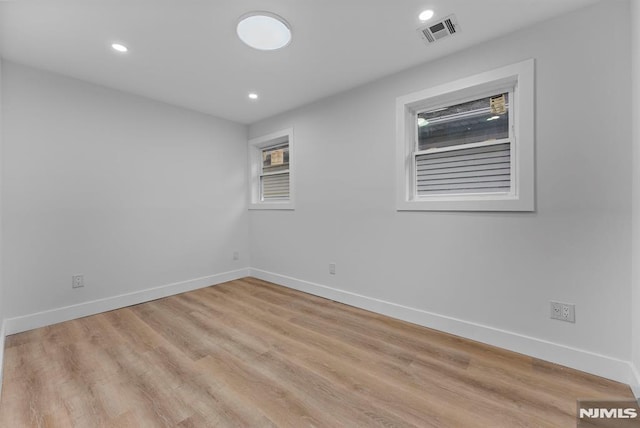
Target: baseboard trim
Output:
[(600, 365), (635, 386), (2, 336), (66, 313)]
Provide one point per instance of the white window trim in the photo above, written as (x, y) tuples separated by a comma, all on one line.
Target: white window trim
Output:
[(517, 77), (255, 161)]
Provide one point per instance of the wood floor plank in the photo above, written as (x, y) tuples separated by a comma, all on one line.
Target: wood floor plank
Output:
[(383, 354), (440, 396), (423, 341), (284, 368), (253, 354)]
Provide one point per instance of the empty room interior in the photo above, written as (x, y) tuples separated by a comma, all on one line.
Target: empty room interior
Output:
[(420, 213)]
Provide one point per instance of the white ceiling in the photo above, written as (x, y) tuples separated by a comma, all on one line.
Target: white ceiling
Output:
[(185, 52)]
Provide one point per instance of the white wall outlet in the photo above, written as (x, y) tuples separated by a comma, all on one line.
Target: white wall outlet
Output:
[(236, 255), (556, 310), (332, 268), (77, 281), (563, 311)]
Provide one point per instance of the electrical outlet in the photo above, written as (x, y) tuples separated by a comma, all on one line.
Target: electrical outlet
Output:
[(77, 281), (563, 311), (332, 268), (556, 310), (568, 312), (236, 255)]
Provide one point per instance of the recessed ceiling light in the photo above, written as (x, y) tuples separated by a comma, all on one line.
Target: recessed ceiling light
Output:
[(253, 96), (425, 15), (264, 31), (119, 47)]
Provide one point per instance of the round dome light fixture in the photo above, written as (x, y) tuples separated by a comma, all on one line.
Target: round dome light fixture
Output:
[(264, 31), (119, 47), (425, 15)]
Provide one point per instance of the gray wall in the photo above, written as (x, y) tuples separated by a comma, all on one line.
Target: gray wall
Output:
[(494, 269), (635, 115), (132, 193), (2, 300)]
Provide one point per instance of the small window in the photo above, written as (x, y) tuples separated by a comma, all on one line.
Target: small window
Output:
[(270, 165), (274, 178), (468, 145)]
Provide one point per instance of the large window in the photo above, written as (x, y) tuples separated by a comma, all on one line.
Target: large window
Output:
[(468, 145), (270, 165)]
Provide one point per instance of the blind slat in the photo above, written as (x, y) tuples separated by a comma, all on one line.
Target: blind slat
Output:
[(270, 190), (497, 154), (470, 168), (476, 185), (275, 179), (483, 179), (461, 152), (466, 174), (268, 185), (463, 191), (479, 162)]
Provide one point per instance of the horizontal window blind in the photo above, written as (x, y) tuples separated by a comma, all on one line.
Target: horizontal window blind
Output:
[(275, 186), (482, 169)]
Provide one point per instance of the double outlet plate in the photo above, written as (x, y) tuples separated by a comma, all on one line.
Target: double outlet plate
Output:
[(563, 311)]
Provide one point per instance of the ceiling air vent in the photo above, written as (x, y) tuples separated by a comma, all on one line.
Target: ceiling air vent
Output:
[(434, 32)]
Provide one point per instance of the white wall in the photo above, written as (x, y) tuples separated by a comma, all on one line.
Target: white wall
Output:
[(635, 114), (130, 192), (2, 301), (493, 269)]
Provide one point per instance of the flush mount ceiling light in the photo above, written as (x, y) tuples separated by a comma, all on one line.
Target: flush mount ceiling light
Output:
[(264, 31), (425, 15), (253, 96), (118, 47)]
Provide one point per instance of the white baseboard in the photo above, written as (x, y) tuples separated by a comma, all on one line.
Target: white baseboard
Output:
[(66, 313), (600, 365), (2, 336), (635, 386)]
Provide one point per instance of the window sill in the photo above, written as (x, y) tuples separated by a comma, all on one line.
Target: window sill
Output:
[(494, 203), (284, 206)]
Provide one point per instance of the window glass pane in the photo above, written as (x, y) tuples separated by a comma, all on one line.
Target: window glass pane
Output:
[(275, 163), (275, 159), (471, 122)]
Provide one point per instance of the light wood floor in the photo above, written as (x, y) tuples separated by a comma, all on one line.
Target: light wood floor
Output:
[(252, 354)]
